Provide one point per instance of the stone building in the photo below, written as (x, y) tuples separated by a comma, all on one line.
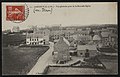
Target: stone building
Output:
[(81, 50), (96, 39), (109, 39), (61, 50), (38, 37)]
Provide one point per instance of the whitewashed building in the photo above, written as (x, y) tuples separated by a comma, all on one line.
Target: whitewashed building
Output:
[(40, 37)]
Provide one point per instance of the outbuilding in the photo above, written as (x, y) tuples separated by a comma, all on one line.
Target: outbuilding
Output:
[(86, 50)]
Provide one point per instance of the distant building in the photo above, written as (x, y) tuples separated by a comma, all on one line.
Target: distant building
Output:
[(15, 29), (81, 50), (105, 38), (55, 34), (84, 38), (39, 37), (34, 39), (96, 39), (109, 39), (67, 34), (113, 39), (61, 50), (112, 30), (81, 38), (74, 36)]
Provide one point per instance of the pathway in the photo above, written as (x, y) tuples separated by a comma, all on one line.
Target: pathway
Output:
[(42, 62)]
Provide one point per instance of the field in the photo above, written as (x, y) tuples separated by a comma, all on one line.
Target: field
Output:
[(20, 60), (110, 62), (15, 39)]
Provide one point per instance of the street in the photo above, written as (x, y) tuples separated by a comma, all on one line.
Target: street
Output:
[(42, 62)]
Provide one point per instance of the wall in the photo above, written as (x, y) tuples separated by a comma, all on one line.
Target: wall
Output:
[(92, 53)]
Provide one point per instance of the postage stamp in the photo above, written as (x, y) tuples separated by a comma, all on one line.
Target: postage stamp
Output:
[(14, 13), (17, 13)]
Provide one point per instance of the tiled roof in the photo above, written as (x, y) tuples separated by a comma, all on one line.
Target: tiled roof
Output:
[(107, 50), (61, 45), (32, 35), (66, 41), (113, 35), (96, 37), (105, 34), (84, 47), (83, 32)]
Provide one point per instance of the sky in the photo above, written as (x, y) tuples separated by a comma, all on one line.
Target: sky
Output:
[(97, 13)]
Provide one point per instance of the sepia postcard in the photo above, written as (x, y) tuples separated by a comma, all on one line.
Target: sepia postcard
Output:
[(67, 38)]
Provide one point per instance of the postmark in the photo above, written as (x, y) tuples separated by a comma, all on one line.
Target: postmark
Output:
[(17, 13)]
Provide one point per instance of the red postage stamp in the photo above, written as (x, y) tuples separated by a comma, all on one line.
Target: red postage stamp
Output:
[(15, 13)]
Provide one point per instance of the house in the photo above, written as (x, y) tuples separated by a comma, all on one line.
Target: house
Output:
[(112, 29), (96, 39), (81, 50), (113, 39), (55, 34), (84, 38), (109, 39), (74, 36), (67, 33), (105, 39), (39, 37), (34, 39), (43, 32), (61, 50)]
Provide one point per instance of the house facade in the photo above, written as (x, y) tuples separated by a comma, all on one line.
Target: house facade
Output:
[(55, 34), (61, 50), (109, 39), (39, 37), (81, 50), (96, 39)]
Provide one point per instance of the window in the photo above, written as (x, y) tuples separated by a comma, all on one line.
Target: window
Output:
[(41, 41), (30, 38), (44, 33), (81, 53), (106, 39), (37, 38)]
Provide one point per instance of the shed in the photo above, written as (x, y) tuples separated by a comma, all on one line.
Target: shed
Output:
[(81, 50)]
